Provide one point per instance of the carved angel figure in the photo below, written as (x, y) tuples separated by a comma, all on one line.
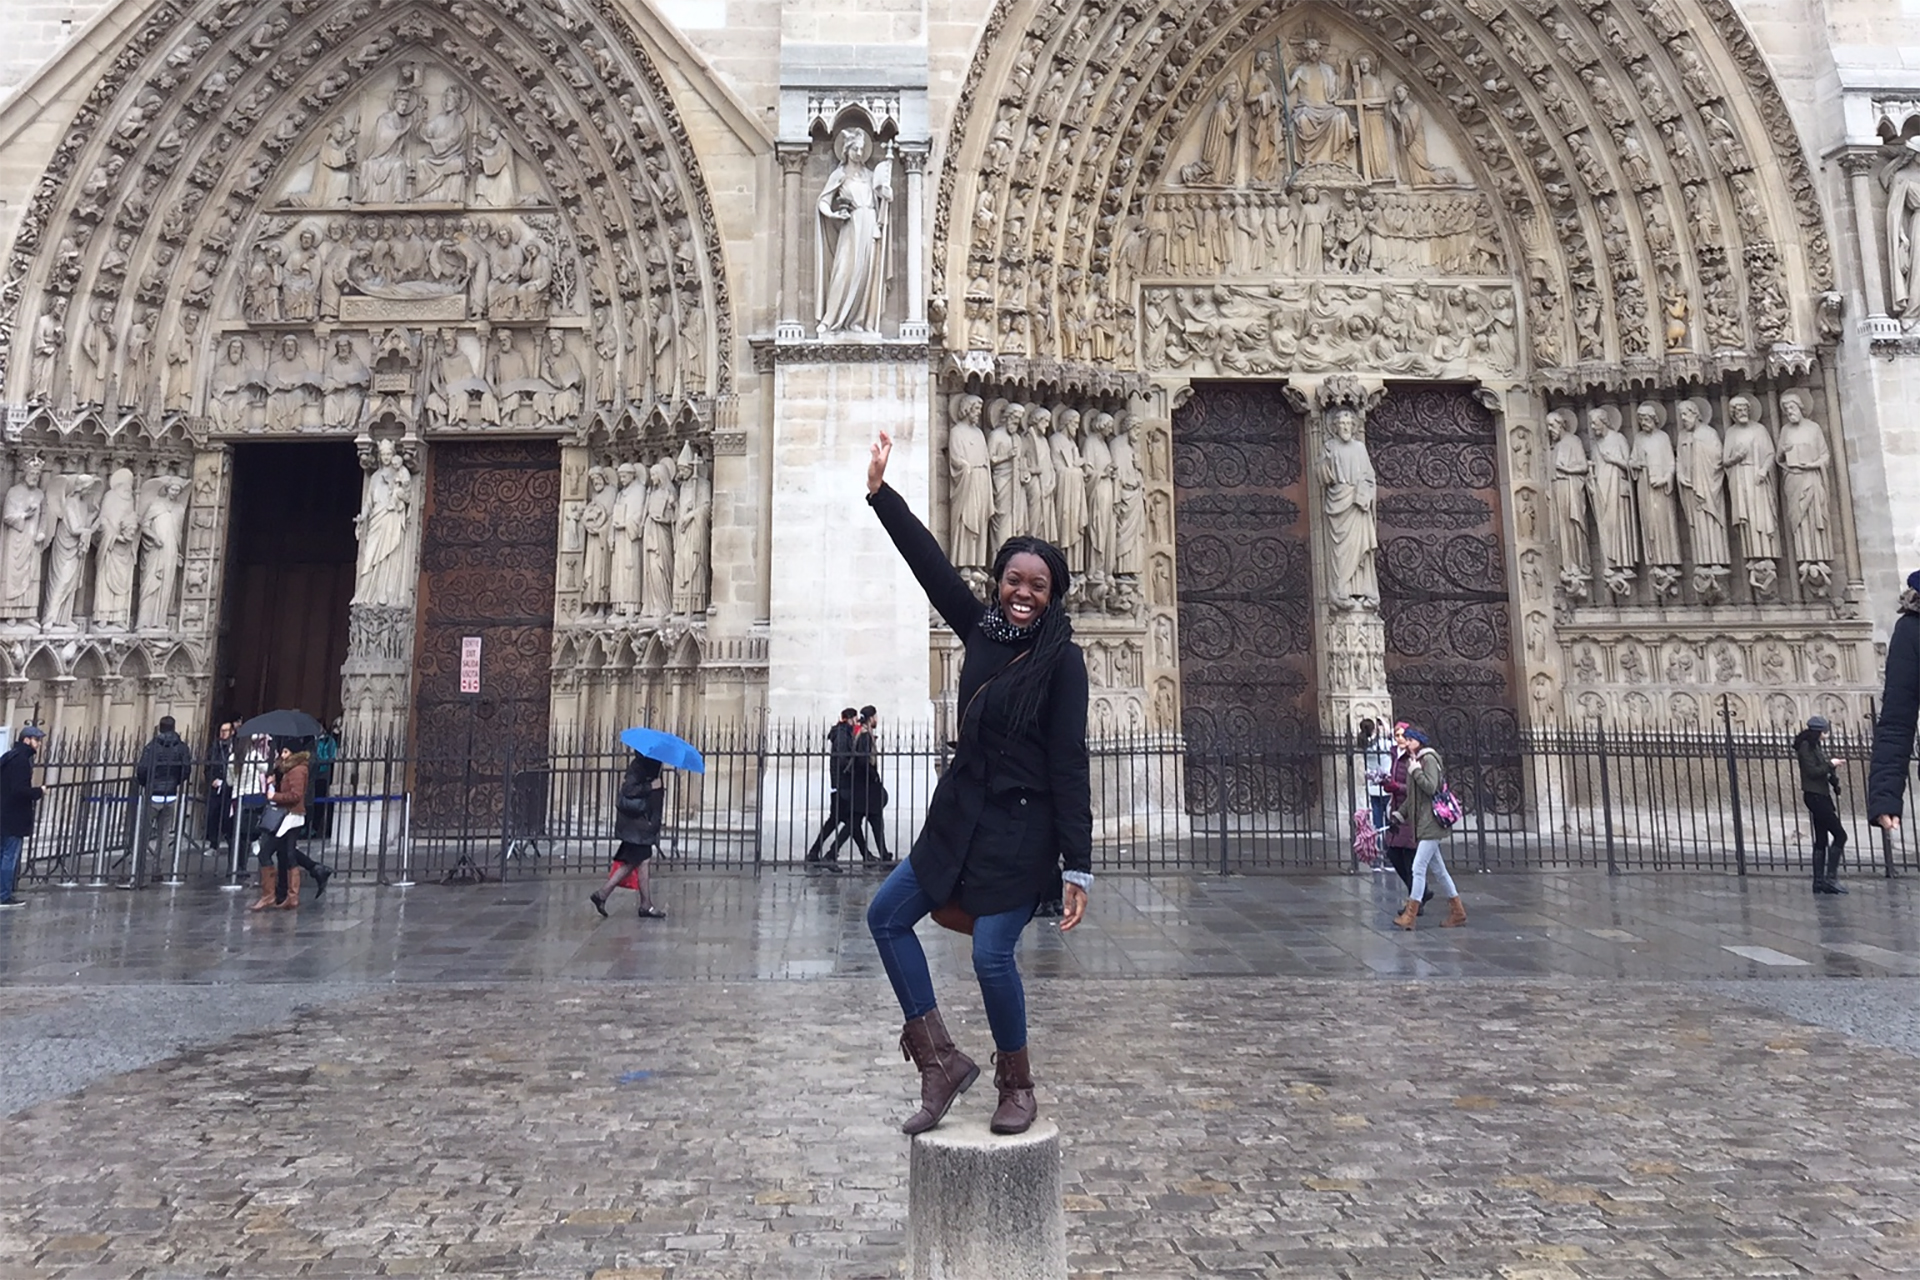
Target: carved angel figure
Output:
[(852, 264)]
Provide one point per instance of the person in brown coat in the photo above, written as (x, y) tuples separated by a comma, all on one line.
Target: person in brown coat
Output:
[(287, 792)]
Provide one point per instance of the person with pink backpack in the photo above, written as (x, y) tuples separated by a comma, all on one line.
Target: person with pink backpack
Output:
[(1430, 808)]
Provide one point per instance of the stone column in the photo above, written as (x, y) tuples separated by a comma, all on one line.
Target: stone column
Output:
[(376, 680), (795, 226), (1352, 653), (1858, 166), (914, 327), (204, 555)]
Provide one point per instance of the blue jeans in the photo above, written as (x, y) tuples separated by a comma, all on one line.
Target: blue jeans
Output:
[(9, 863), (898, 905)]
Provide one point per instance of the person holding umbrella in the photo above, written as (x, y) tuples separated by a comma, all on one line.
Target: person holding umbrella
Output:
[(1014, 805), (638, 812)]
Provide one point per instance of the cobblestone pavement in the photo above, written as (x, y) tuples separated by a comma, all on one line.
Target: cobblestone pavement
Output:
[(627, 1099)]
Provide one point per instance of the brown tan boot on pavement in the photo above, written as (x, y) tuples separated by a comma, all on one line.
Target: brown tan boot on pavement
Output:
[(1408, 914), (1456, 914), (945, 1072), (1014, 1079), (292, 901), (269, 881)]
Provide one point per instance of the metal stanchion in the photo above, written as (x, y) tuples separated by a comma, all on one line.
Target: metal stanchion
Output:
[(235, 881), (174, 879), (406, 842)]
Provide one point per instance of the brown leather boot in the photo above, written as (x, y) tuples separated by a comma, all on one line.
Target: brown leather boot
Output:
[(1408, 914), (1456, 913), (945, 1072), (269, 882), (292, 901), (1014, 1080)]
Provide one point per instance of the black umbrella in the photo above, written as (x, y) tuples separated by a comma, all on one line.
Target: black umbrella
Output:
[(283, 724)]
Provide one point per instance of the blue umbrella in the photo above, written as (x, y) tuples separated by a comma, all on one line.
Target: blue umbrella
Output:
[(664, 747)]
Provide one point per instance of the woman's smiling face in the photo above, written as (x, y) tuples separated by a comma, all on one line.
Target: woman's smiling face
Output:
[(1025, 588)]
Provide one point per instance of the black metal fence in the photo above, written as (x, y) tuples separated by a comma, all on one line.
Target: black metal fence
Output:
[(1725, 801)]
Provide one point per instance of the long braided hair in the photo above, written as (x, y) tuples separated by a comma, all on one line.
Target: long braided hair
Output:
[(1027, 683)]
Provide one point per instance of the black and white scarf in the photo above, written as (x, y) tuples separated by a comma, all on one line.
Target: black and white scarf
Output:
[(1000, 631)]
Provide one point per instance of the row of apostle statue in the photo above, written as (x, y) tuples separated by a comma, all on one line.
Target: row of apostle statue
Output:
[(645, 531), (55, 527)]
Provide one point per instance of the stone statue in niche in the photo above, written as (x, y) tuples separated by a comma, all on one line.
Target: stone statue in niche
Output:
[(564, 380), (1130, 488), (454, 389), (1567, 494), (136, 360), (852, 260), (163, 522), (1036, 465), (512, 375), (1003, 455), (1352, 494), (1070, 488), (596, 526), (385, 529), (1096, 453), (23, 541), (629, 515), (1804, 461), (659, 509), (1322, 129), (334, 166), (97, 344), (494, 184), (118, 550), (1266, 141), (294, 387), (970, 506), (1749, 455), (236, 388), (1219, 144), (440, 171), (1372, 103), (692, 533), (1703, 481), (72, 519), (346, 380), (300, 278), (49, 340), (1654, 470), (1901, 177), (1612, 489)]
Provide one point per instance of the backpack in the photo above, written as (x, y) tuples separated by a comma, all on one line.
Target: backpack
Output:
[(1446, 805)]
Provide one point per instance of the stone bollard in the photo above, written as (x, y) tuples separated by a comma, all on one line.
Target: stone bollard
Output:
[(985, 1207)]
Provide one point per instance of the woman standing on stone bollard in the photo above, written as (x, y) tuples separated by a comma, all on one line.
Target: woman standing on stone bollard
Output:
[(1011, 808), (1425, 778)]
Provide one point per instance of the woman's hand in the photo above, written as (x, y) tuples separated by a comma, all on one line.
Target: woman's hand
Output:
[(877, 464), (1073, 906)]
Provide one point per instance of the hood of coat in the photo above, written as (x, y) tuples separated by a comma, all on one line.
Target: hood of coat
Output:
[(1806, 736), (297, 760), (1910, 601), (166, 737)]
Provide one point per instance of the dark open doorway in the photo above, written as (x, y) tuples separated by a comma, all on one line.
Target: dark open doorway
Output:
[(290, 564)]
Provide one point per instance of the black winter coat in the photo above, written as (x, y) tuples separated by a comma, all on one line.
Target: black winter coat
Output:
[(165, 764), (1899, 712), (1817, 774), (640, 804), (18, 795), (861, 788), (1011, 807)]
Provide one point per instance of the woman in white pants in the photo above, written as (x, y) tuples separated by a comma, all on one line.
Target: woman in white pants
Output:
[(1425, 777)]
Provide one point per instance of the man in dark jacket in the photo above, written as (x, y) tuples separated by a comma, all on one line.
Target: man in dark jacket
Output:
[(165, 766), (1819, 783), (840, 757), (18, 796), (1899, 711)]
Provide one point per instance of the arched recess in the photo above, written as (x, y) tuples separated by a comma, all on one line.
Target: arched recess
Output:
[(1655, 205), (393, 153)]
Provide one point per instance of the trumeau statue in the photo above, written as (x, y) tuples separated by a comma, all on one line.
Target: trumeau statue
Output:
[(24, 529), (385, 525), (1805, 461), (163, 522), (1352, 495), (853, 264)]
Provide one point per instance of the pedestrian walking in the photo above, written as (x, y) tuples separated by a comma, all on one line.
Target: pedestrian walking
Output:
[(219, 765), (865, 795), (1013, 804), (839, 775), (282, 820), (19, 799), (1399, 842), (162, 773), (254, 780), (1819, 784), (638, 810), (1376, 757), (1426, 778), (1899, 714)]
